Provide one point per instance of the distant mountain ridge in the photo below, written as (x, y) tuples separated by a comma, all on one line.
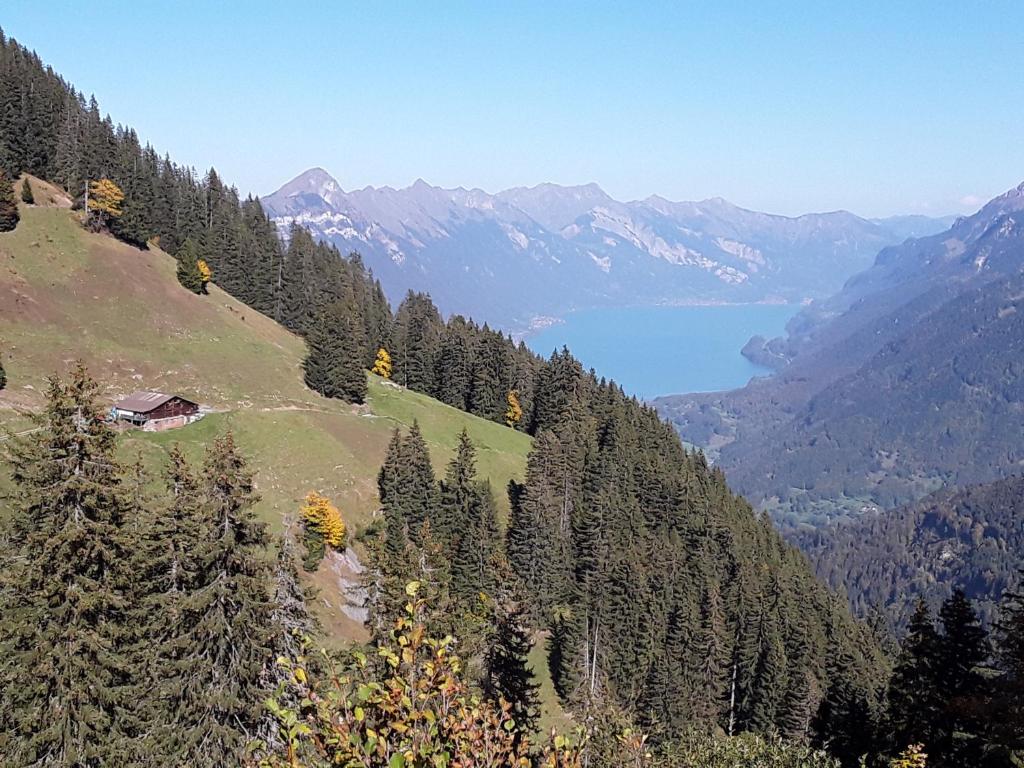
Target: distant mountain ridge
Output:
[(907, 380), (530, 252)]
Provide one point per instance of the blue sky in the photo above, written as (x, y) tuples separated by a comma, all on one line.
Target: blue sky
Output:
[(878, 108)]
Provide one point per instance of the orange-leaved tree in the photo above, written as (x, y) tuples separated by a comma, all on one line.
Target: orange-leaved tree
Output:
[(403, 705)]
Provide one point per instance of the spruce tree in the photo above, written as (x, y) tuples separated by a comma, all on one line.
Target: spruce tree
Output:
[(26, 193), (1008, 714), (459, 495), (65, 631), (334, 365), (420, 487), (392, 484), (960, 656), (188, 267), (169, 561), (507, 674), (915, 705), (231, 611), (9, 215), (477, 546)]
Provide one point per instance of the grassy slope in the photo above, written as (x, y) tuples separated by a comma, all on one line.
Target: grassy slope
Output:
[(67, 294)]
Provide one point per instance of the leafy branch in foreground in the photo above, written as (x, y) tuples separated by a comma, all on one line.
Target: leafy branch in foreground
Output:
[(407, 706)]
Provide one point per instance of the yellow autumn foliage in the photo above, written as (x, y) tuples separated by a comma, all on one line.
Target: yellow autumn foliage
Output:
[(514, 414), (322, 516), (204, 270), (382, 366), (912, 757), (105, 197)]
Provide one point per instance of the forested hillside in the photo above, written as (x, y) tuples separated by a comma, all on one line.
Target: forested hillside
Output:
[(902, 383), (970, 539)]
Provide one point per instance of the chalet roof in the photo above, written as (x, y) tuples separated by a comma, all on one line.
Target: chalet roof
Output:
[(144, 402)]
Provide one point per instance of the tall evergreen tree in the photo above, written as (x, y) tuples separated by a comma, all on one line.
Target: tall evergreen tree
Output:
[(334, 365), (188, 267), (26, 193), (915, 705), (231, 610), (65, 631), (507, 674)]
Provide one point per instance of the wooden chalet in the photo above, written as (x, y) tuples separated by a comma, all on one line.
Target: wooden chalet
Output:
[(155, 411)]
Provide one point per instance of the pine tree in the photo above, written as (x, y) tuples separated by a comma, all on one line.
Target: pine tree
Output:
[(914, 701), (961, 653), (9, 215), (507, 674), (188, 267), (231, 612), (26, 193), (65, 629), (3, 375), (334, 363)]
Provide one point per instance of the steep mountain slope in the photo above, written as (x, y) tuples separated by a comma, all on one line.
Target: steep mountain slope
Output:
[(970, 538), (548, 249), (907, 379), (66, 294)]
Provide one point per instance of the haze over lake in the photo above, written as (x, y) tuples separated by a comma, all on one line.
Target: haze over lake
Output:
[(654, 351)]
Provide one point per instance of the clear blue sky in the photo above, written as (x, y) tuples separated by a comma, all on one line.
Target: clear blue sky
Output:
[(876, 107)]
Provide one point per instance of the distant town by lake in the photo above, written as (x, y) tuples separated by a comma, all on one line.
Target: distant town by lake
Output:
[(652, 351)]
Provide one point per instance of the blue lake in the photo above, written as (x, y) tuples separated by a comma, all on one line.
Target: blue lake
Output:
[(652, 351)]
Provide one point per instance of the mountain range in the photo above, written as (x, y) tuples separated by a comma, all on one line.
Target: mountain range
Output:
[(907, 380), (526, 254)]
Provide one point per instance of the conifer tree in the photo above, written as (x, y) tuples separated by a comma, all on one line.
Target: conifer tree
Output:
[(914, 701), (1009, 722), (477, 545), (961, 653), (334, 363), (188, 267), (105, 203), (3, 375), (231, 610), (65, 594), (507, 674), (170, 564), (420, 486), (26, 193), (459, 494), (391, 488), (9, 214)]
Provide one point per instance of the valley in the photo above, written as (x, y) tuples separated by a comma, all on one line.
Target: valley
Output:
[(434, 477)]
